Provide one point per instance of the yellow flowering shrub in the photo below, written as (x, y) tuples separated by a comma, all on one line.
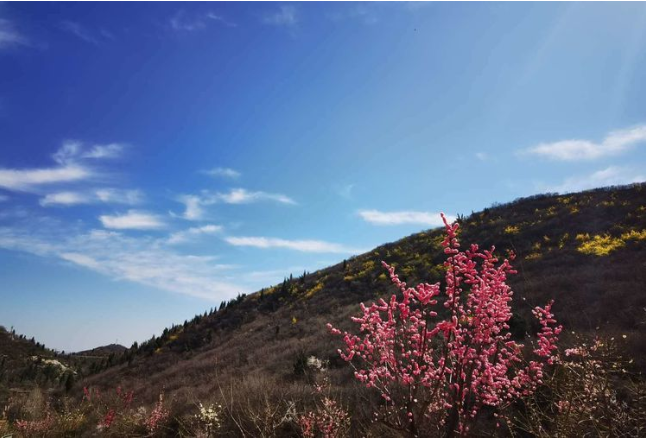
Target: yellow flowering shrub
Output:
[(317, 287), (599, 245), (634, 235)]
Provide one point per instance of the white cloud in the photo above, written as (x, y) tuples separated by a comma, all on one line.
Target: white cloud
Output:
[(242, 196), (610, 176), (193, 207), (78, 31), (10, 37), (71, 167), (224, 172), (377, 217), (118, 196), (345, 191), (64, 199), (30, 179), (614, 143), (73, 150), (192, 233), (181, 22), (112, 150), (132, 220), (220, 19), (141, 260), (68, 152), (194, 204), (481, 156), (108, 196), (285, 16), (297, 245)]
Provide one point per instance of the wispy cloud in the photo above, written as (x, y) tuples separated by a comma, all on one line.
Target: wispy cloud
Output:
[(610, 176), (79, 31), (141, 260), (192, 207), (614, 143), (112, 150), (194, 204), (183, 22), (30, 179), (64, 199), (4, 198), (74, 150), (285, 15), (482, 156), (106, 195), (377, 217), (242, 196), (180, 22), (220, 19), (70, 158), (318, 246), (345, 191), (10, 37), (223, 172), (132, 220), (366, 13), (192, 233), (119, 196)]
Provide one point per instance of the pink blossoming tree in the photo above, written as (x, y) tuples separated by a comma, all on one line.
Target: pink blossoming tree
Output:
[(439, 372)]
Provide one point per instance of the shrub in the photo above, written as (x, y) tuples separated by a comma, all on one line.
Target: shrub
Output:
[(438, 374)]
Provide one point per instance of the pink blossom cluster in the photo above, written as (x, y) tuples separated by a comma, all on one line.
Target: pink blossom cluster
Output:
[(36, 427), (329, 421), (448, 367), (158, 416)]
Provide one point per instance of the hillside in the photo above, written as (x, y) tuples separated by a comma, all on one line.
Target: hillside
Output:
[(25, 363), (585, 250)]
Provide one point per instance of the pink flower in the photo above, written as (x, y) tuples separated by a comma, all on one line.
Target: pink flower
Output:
[(461, 362)]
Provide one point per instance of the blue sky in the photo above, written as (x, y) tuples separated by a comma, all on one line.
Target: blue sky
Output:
[(157, 158)]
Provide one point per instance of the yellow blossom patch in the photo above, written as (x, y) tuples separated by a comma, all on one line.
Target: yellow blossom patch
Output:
[(600, 245), (512, 229), (634, 235), (314, 290)]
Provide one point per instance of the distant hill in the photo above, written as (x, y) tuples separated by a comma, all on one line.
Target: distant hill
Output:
[(586, 250), (103, 351)]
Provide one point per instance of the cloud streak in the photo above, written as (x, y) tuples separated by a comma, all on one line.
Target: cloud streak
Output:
[(223, 172), (610, 176), (120, 257), (78, 31), (132, 220), (316, 246), (180, 22), (10, 37), (194, 204), (105, 195), (31, 179), (377, 217), (615, 143), (285, 16), (193, 233), (72, 167)]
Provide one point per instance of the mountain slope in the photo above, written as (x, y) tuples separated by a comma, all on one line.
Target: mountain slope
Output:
[(585, 250)]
